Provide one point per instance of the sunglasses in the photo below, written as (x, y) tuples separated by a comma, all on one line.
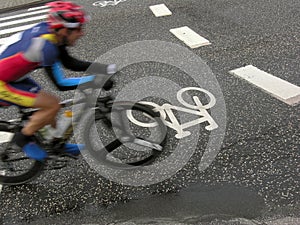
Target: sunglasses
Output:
[(78, 29)]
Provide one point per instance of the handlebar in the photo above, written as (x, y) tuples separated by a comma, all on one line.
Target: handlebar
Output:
[(102, 79)]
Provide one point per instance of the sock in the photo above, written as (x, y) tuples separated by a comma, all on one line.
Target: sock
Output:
[(21, 140)]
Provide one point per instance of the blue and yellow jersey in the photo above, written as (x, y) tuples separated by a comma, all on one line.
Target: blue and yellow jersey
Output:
[(26, 51)]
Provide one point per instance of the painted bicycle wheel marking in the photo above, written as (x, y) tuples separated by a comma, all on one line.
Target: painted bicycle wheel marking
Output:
[(198, 109)]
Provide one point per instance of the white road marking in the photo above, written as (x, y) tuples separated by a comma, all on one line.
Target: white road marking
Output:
[(1, 186), (24, 14), (16, 29), (37, 8), (2, 41), (4, 137), (12, 22), (167, 111), (23, 20), (160, 10), (278, 88), (189, 37)]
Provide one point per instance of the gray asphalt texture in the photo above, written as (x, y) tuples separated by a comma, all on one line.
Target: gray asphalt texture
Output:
[(8, 6), (255, 177)]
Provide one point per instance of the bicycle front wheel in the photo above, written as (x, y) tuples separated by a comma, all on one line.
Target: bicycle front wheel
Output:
[(15, 167), (116, 139)]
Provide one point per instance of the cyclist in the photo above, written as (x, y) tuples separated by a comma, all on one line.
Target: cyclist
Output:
[(44, 45)]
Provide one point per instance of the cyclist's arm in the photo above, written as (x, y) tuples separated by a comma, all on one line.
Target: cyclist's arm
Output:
[(57, 76), (70, 62), (56, 73), (78, 65)]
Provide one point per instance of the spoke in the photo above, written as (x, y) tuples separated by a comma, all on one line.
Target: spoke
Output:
[(16, 159), (113, 145)]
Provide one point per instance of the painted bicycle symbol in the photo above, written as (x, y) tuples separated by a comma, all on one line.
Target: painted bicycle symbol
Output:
[(197, 109), (106, 3)]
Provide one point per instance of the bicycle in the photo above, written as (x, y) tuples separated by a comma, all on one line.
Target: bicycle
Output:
[(17, 168)]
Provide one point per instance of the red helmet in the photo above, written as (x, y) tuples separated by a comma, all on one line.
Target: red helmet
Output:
[(66, 14)]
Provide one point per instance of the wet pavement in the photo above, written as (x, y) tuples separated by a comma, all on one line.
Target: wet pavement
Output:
[(254, 179)]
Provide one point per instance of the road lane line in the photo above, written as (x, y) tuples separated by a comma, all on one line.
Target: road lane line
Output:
[(24, 15), (23, 20), (16, 29), (5, 136), (2, 41), (37, 8), (277, 87), (160, 10), (189, 37)]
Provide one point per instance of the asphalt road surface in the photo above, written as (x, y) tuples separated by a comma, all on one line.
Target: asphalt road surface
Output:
[(252, 177)]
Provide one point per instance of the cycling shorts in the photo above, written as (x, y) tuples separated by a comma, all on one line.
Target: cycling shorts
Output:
[(22, 93)]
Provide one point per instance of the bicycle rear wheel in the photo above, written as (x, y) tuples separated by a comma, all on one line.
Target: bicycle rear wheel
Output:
[(114, 139), (15, 167)]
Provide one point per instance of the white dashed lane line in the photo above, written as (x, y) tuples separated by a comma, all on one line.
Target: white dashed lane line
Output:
[(189, 37), (160, 10), (278, 88)]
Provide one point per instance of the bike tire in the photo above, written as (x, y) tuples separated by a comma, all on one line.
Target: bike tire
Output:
[(6, 176), (120, 108)]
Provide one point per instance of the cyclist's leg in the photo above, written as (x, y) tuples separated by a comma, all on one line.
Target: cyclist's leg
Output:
[(49, 106), (27, 93)]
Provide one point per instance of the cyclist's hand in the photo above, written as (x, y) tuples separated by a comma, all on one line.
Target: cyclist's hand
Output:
[(106, 69), (111, 69)]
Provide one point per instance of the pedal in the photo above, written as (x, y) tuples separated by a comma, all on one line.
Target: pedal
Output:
[(56, 155)]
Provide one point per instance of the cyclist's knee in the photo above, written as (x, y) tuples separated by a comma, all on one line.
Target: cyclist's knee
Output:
[(54, 105), (48, 102)]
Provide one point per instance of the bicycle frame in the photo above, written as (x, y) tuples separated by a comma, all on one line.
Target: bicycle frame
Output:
[(89, 103), (94, 107)]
